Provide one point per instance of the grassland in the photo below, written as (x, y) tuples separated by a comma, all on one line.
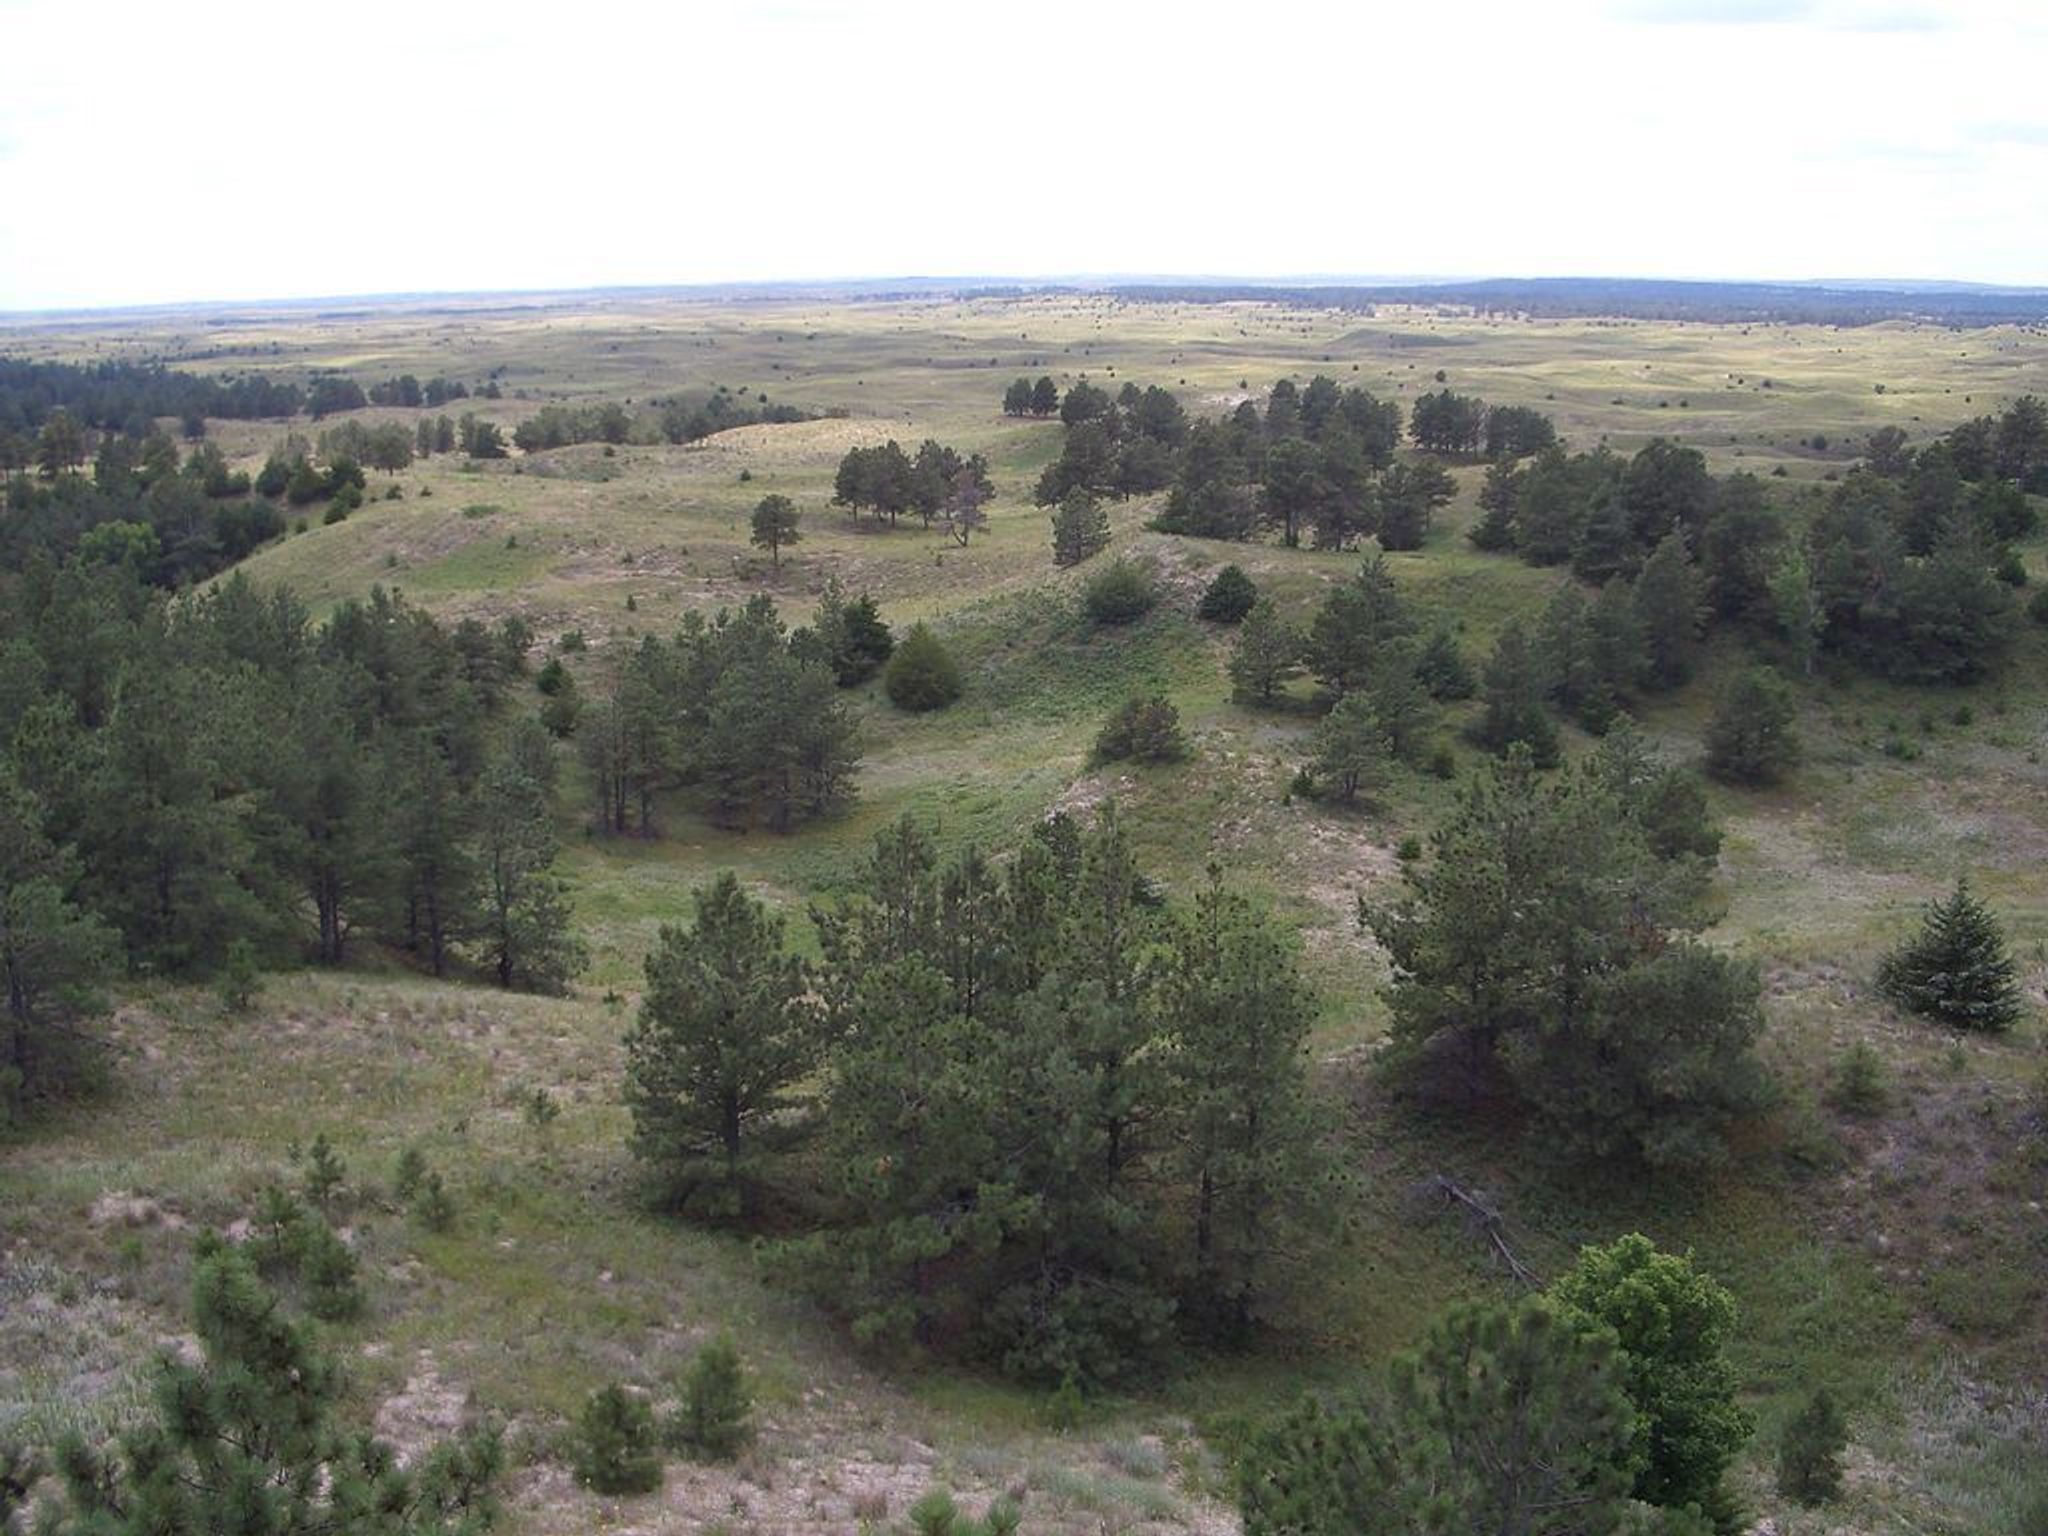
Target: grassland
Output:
[(1904, 1260)]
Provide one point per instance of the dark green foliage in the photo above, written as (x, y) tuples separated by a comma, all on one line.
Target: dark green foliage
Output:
[(1444, 421), (935, 1514), (522, 923), (1674, 1324), (247, 1441), (1667, 606), (408, 1173), (922, 674), (1119, 593), (1352, 752), (714, 1418), (1810, 1451), (1409, 495), (1357, 625), (1751, 738), (1512, 688), (616, 1450), (856, 642), (53, 954), (1443, 671), (775, 526), (1080, 528), (1228, 598), (1543, 942), (1060, 1114), (727, 1027), (1146, 729), (1504, 1419), (1268, 653), (1956, 970)]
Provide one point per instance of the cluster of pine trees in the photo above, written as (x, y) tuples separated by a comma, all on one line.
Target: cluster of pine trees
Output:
[(171, 518), (190, 782), (129, 398), (935, 482), (738, 708), (1606, 1403), (1902, 567), (1037, 1114)]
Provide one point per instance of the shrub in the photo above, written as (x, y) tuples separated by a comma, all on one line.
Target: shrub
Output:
[(922, 674), (1229, 597), (1810, 1451), (433, 1205), (1751, 739), (408, 1174), (1859, 1086), (615, 1443), (1144, 729), (1956, 968), (714, 1420), (239, 979), (1119, 594), (325, 1171), (2037, 607)]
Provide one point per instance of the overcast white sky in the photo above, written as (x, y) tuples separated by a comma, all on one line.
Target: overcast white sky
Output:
[(212, 150)]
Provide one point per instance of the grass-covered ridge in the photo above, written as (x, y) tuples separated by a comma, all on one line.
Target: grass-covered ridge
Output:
[(1898, 1256)]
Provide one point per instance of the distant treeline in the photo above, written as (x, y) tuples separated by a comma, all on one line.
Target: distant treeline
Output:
[(131, 397), (1639, 299)]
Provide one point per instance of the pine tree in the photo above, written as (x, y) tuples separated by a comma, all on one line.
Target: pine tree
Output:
[(1355, 624), (522, 905), (247, 1440), (1228, 598), (615, 1443), (1810, 1451), (1351, 748), (714, 1420), (1080, 528), (775, 526), (1512, 688), (1443, 670), (1956, 968), (1667, 605), (727, 1027), (1751, 738), (1504, 1419), (1247, 1128), (922, 674), (1268, 653)]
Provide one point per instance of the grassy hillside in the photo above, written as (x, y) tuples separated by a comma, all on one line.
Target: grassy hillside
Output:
[(1903, 1259)]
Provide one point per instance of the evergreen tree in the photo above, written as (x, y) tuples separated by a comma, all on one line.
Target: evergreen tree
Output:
[(1956, 969), (1080, 528), (1810, 1451), (857, 644), (922, 674), (522, 925), (1144, 729), (1228, 598), (1667, 606), (715, 1417), (1045, 396), (1512, 688), (1751, 738), (775, 526), (1499, 495), (53, 955), (1268, 653), (1355, 625), (727, 1027), (1119, 593), (247, 1441), (1247, 1132), (1505, 1419), (615, 1443), (1351, 748), (1442, 669)]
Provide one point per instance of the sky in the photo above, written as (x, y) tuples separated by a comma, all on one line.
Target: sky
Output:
[(214, 150)]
